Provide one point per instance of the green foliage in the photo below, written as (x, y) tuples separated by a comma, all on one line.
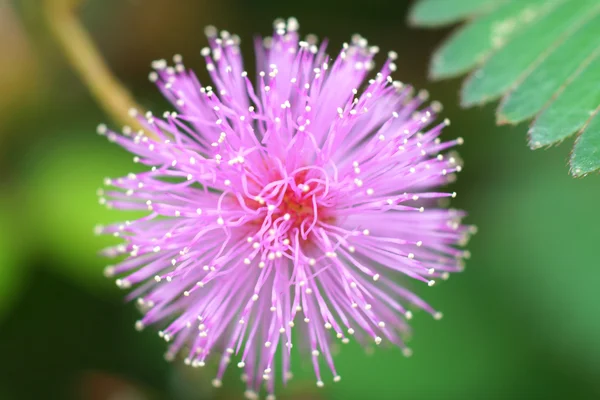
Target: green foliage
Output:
[(554, 287), (441, 12), (61, 188), (11, 270), (455, 364), (542, 57)]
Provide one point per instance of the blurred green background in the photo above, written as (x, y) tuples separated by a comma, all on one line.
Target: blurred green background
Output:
[(522, 321)]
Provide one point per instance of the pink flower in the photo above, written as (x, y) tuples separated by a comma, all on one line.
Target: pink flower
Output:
[(292, 204)]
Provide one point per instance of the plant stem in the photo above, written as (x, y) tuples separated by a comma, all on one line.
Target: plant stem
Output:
[(85, 58)]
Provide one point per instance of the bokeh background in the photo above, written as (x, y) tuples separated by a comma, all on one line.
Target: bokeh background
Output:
[(522, 321)]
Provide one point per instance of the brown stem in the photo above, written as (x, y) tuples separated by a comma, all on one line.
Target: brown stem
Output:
[(83, 55)]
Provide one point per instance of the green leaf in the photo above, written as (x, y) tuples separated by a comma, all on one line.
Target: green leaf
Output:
[(541, 56), (531, 95), (441, 12), (586, 156), (534, 42), (472, 44), (571, 110)]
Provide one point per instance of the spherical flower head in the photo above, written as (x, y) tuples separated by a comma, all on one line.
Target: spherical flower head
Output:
[(294, 203)]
